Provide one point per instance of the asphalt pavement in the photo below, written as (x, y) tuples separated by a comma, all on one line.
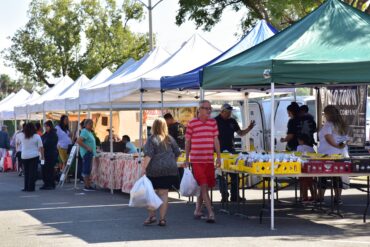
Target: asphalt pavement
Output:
[(72, 217)]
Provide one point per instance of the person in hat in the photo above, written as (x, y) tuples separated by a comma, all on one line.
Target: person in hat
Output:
[(115, 137), (227, 126)]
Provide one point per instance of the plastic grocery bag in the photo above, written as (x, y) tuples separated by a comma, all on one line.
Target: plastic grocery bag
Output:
[(188, 185), (142, 195), (2, 163), (7, 164)]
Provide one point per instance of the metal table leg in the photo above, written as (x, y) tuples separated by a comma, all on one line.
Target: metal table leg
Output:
[(368, 198)]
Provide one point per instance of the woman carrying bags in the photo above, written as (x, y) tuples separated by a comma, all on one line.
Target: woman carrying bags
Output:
[(160, 166), (50, 141)]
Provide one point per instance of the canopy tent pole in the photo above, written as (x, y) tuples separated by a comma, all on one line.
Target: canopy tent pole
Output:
[(141, 129), (111, 141), (26, 114), (43, 113), (15, 124), (295, 94), (246, 142), (201, 93), (77, 135), (272, 179), (162, 110)]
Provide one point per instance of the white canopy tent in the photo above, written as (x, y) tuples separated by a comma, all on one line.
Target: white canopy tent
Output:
[(8, 106), (7, 98), (100, 94), (73, 104), (37, 105), (11, 115), (59, 103), (123, 68)]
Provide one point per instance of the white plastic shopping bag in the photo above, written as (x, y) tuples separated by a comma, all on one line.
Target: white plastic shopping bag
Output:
[(2, 163), (142, 195), (188, 185)]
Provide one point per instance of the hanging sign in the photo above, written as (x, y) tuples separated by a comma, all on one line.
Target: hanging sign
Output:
[(351, 101)]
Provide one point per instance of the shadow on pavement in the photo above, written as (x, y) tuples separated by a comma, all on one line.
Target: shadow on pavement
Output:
[(99, 217)]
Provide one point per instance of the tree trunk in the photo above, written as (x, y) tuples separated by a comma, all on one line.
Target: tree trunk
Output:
[(43, 79)]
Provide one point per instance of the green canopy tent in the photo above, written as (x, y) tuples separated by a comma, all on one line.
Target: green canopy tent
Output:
[(331, 45)]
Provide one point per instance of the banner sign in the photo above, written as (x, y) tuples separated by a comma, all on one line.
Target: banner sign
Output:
[(351, 101)]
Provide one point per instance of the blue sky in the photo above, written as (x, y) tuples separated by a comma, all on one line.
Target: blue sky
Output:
[(13, 15)]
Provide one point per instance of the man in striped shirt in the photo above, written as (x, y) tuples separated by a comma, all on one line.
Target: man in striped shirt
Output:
[(201, 141)]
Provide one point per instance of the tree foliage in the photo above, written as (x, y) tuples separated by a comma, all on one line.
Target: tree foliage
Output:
[(68, 37), (110, 41), (8, 85), (280, 13)]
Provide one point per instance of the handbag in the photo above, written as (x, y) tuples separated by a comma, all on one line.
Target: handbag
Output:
[(8, 163)]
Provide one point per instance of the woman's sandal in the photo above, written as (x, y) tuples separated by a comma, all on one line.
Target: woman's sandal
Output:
[(211, 219), (150, 220), (162, 222)]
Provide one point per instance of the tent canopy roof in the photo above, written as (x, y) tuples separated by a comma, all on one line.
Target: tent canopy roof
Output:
[(193, 79), (330, 45), (193, 53)]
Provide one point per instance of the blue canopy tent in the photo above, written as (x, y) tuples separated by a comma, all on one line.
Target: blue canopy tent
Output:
[(192, 79)]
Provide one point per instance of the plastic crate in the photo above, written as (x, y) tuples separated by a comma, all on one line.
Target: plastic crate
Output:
[(281, 168), (327, 166)]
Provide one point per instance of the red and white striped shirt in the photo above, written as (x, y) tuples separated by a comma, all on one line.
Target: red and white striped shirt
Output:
[(201, 135)]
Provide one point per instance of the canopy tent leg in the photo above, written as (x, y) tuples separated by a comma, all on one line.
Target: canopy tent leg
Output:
[(140, 130), (77, 136), (201, 94), (246, 142), (295, 94), (43, 113), (272, 179), (162, 107), (111, 142), (15, 124)]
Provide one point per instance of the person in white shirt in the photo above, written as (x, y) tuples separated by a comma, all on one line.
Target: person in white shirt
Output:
[(304, 146), (18, 149), (333, 137), (32, 151)]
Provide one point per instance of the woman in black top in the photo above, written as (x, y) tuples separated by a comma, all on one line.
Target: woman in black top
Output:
[(50, 141), (294, 127)]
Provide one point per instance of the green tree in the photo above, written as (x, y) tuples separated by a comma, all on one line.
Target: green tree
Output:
[(280, 13), (110, 41), (8, 85), (50, 41), (68, 37)]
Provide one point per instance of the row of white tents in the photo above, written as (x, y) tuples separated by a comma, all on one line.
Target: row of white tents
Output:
[(135, 84)]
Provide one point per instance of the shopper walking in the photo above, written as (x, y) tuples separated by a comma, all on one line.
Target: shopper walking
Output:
[(32, 152), (87, 144), (4, 140), (18, 148), (161, 152), (201, 141), (50, 141)]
